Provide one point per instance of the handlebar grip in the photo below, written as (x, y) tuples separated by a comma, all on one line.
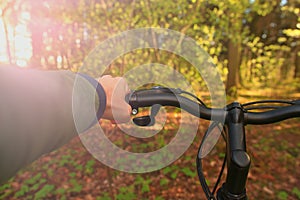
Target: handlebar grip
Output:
[(149, 97)]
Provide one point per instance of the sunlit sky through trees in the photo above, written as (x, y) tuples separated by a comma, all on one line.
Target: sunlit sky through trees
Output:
[(19, 37)]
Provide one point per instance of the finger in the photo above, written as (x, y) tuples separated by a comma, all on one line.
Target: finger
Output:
[(129, 109), (104, 77)]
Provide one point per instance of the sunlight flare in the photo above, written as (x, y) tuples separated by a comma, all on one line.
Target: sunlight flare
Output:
[(19, 39)]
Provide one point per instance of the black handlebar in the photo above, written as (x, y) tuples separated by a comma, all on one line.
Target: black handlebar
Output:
[(273, 116), (173, 97), (235, 116)]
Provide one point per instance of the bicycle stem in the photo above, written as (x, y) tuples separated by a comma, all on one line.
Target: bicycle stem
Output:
[(238, 161)]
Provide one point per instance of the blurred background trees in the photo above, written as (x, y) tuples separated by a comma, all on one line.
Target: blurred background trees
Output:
[(254, 43)]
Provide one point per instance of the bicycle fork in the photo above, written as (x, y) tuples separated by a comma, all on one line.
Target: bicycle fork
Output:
[(238, 161)]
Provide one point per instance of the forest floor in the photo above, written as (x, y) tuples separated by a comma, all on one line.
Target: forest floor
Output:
[(71, 172)]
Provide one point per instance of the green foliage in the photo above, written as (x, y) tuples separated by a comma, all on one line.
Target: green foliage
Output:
[(163, 181), (5, 190), (72, 174), (104, 197), (222, 155), (188, 172), (76, 187), (4, 187), (208, 182), (171, 171), (282, 195), (23, 190), (60, 191), (159, 198), (296, 192), (126, 193), (265, 31), (79, 167), (188, 158), (34, 179), (145, 184), (44, 192), (89, 167), (65, 159), (33, 184)]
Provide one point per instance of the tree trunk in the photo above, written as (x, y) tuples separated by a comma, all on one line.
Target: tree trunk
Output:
[(37, 44), (233, 68), (8, 51), (297, 66)]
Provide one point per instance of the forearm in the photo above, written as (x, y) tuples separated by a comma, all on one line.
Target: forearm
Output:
[(36, 115)]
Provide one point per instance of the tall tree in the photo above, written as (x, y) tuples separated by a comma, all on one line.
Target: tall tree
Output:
[(6, 14)]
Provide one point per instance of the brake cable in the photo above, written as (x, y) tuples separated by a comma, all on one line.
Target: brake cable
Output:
[(208, 193), (263, 107)]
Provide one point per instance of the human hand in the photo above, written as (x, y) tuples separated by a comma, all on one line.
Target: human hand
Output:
[(117, 109)]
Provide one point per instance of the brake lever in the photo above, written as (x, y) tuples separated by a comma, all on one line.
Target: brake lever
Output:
[(148, 120)]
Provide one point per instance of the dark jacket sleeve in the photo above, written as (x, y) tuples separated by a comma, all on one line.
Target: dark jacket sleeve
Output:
[(36, 114)]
